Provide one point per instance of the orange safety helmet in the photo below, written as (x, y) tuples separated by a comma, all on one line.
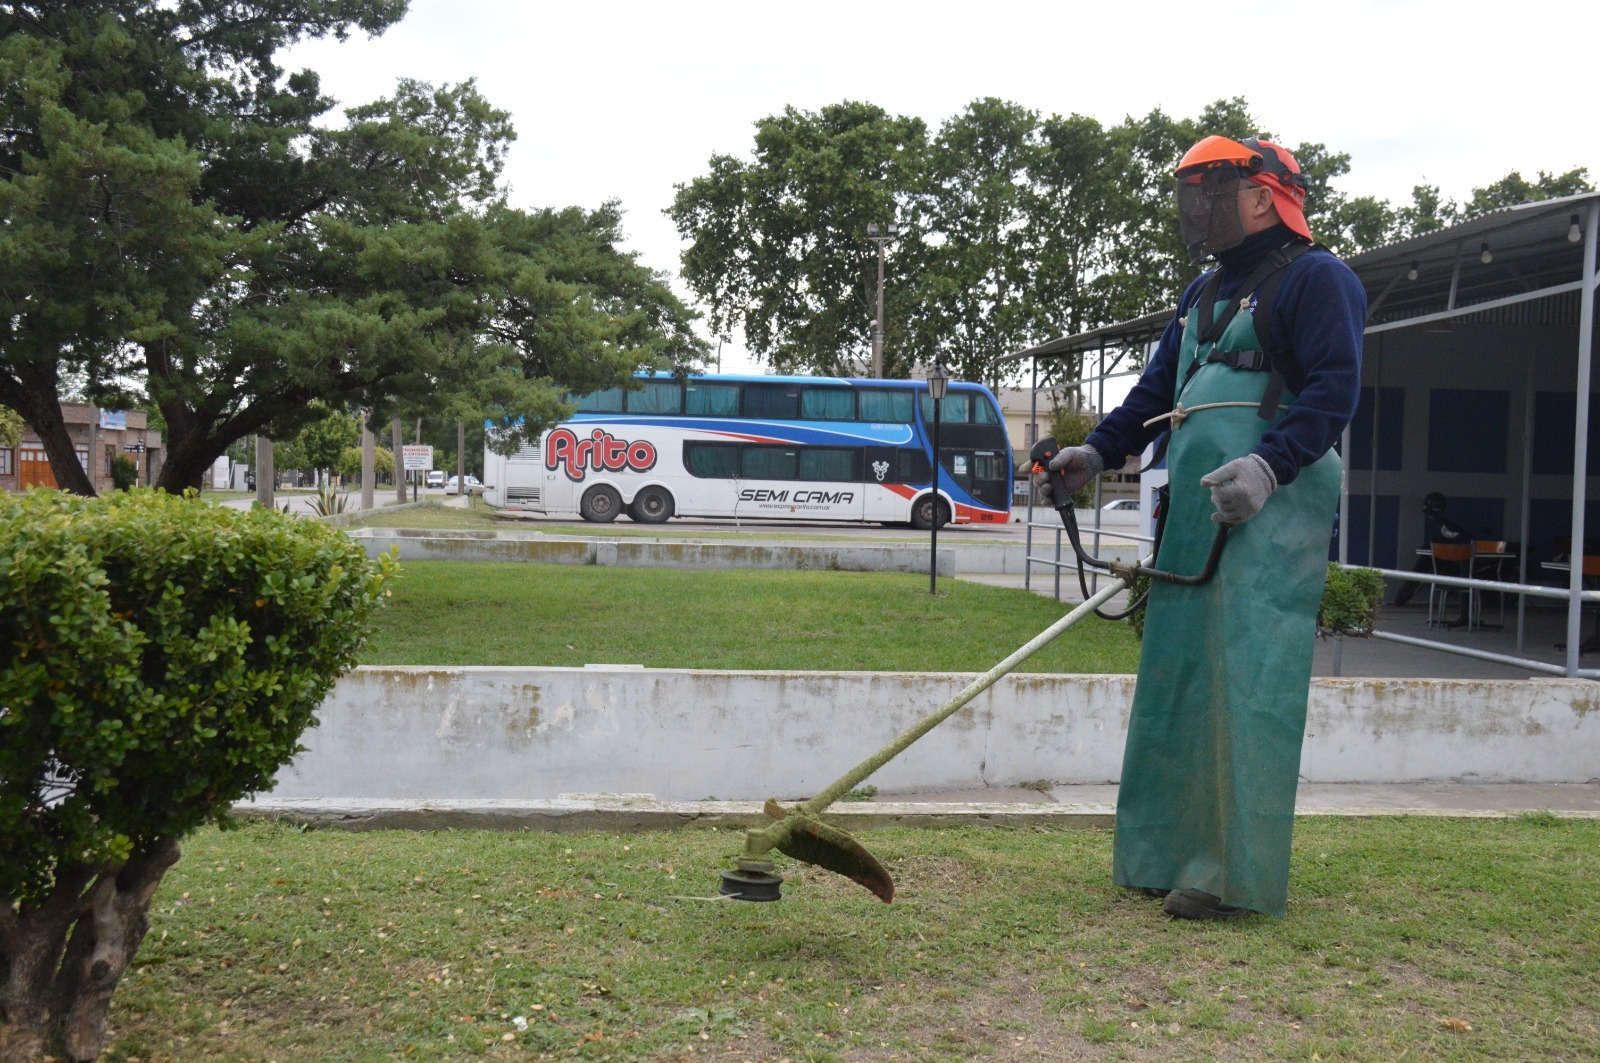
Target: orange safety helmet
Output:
[(1260, 162)]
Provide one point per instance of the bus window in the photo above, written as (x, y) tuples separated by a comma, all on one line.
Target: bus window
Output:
[(988, 467), (658, 396), (911, 466), (607, 401), (775, 401), (883, 406), (954, 408), (982, 411), (770, 463), (827, 404), (711, 400), (835, 464), (712, 461)]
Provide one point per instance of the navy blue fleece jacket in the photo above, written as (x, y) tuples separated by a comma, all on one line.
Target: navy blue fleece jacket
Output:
[(1318, 314)]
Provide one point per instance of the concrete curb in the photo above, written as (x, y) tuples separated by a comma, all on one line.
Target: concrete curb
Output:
[(624, 814)]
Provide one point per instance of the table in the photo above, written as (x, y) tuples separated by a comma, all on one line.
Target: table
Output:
[(1592, 643)]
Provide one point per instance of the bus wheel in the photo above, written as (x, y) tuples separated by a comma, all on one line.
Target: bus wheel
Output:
[(922, 512), (652, 505), (600, 505)]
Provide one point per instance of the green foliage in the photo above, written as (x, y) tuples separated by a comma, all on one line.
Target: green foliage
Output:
[(203, 226), (124, 472), (326, 502), (1015, 227), (319, 443), (779, 243), (1139, 588), (11, 426), (349, 463), (164, 656), (1350, 601)]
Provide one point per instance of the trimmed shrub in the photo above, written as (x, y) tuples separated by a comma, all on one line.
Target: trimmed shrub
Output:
[(1350, 601), (159, 659), (124, 473)]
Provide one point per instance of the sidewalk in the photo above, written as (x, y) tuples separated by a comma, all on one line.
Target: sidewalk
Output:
[(1059, 806)]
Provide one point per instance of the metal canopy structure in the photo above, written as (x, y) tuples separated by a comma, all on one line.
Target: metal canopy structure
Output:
[(1528, 265)]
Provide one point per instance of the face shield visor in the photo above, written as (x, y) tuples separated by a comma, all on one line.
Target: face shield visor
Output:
[(1208, 209)]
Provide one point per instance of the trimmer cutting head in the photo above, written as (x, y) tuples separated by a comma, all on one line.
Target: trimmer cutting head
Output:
[(811, 842), (742, 885)]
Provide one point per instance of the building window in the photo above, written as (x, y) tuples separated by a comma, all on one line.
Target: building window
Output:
[(7, 463), (82, 450)]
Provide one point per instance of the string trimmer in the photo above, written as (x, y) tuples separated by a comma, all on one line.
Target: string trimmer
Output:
[(797, 832)]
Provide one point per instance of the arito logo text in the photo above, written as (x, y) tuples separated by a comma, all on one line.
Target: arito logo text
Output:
[(601, 452)]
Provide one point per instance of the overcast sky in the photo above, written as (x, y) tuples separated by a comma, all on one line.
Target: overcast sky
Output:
[(626, 100)]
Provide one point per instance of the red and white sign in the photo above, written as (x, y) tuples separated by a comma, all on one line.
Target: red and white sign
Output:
[(416, 457)]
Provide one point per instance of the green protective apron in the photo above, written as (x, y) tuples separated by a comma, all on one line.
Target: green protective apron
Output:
[(1213, 756)]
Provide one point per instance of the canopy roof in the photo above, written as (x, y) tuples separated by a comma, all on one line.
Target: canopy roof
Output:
[(1531, 257)]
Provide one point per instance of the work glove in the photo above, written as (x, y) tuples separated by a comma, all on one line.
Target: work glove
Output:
[(1078, 464), (1240, 488)]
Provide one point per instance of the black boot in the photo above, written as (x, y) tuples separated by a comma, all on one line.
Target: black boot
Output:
[(1197, 904)]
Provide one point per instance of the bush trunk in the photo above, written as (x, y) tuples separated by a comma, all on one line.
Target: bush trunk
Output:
[(62, 958)]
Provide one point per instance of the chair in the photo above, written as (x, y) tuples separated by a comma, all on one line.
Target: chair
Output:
[(1488, 556), (1450, 559)]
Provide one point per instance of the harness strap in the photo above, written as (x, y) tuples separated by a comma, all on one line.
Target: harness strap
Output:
[(1261, 284)]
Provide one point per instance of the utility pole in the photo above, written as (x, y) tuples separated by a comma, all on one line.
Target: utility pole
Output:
[(890, 231), (369, 461)]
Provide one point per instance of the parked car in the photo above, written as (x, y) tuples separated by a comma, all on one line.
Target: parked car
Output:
[(436, 478), (1121, 505), (474, 486)]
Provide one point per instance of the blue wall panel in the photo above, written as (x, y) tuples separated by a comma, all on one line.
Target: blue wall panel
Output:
[(1554, 421), (1467, 430), (1385, 552), (1391, 429)]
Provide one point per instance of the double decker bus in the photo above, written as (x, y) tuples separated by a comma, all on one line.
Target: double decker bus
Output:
[(765, 447)]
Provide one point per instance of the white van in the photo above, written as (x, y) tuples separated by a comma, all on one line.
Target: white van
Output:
[(436, 478)]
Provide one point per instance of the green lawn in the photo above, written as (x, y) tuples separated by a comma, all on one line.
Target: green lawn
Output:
[(563, 615), (485, 517), (1406, 939)]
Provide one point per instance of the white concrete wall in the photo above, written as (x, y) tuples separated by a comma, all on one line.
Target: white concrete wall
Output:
[(533, 733)]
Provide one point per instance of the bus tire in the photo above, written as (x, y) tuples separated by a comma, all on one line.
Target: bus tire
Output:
[(924, 509), (600, 504), (652, 505)]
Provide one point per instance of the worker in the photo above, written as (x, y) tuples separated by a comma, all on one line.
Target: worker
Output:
[(1255, 377)]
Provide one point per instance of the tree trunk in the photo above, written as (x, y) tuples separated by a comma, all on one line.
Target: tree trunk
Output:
[(32, 393), (266, 473), (64, 464), (58, 989), (399, 467)]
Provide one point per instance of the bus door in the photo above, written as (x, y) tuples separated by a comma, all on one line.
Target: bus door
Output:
[(983, 474)]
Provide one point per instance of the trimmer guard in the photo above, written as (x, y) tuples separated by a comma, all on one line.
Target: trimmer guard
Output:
[(813, 842)]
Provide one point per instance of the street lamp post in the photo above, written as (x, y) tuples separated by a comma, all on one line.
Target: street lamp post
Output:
[(888, 232), (938, 382)]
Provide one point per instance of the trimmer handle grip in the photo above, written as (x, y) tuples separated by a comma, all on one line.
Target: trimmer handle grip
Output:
[(1044, 450)]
